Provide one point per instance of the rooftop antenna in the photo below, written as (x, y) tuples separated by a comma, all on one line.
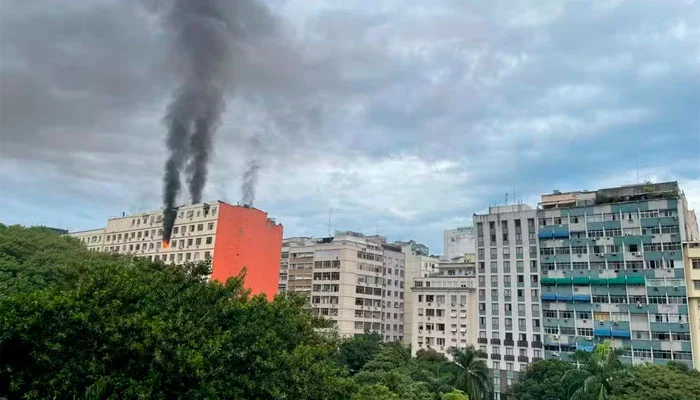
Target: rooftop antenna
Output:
[(330, 220), (506, 198)]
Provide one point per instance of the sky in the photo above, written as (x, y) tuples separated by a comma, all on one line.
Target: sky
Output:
[(404, 118)]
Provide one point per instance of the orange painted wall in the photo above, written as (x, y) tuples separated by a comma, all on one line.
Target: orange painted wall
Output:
[(245, 238)]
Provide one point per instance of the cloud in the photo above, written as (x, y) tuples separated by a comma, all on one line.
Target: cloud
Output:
[(404, 119)]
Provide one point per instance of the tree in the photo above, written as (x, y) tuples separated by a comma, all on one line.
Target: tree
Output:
[(430, 355), (471, 373), (87, 323), (541, 381), (454, 395), (359, 350), (375, 392), (656, 382), (594, 378)]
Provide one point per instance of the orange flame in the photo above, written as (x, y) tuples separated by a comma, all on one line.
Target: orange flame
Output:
[(166, 244)]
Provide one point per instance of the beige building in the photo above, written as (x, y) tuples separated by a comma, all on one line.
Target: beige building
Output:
[(444, 309), (141, 234), (93, 239), (691, 254), (418, 264), (354, 280)]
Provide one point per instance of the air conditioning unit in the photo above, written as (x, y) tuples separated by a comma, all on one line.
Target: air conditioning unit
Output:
[(556, 337), (555, 354)]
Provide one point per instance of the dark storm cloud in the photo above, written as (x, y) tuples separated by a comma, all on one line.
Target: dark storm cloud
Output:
[(526, 97)]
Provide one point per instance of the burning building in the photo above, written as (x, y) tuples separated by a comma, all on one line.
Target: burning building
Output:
[(232, 237)]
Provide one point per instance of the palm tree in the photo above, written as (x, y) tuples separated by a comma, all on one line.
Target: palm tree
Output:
[(595, 371), (471, 373)]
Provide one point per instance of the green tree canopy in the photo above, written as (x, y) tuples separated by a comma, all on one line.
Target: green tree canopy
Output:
[(359, 350), (148, 330), (541, 381), (455, 395), (657, 382)]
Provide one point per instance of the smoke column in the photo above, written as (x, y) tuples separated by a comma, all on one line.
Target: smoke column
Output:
[(250, 181), (202, 36)]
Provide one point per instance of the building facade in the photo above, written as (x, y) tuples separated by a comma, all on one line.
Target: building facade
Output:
[(444, 309), (612, 270), (354, 280), (458, 242), (232, 237), (418, 264), (691, 253), (509, 314)]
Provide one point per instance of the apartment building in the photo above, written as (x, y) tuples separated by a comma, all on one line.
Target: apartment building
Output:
[(232, 237), (418, 264), (458, 242), (613, 270), (444, 309), (509, 315), (691, 254), (354, 280)]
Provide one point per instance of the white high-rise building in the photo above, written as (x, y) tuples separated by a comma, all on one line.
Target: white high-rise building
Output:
[(444, 309), (418, 264), (458, 242), (354, 280), (509, 322)]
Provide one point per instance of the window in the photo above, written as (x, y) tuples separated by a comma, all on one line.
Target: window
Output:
[(208, 240), (494, 280), (200, 227), (198, 241), (210, 226), (494, 253), (175, 230)]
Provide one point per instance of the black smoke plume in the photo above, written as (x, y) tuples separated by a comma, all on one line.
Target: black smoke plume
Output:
[(250, 181), (202, 34)]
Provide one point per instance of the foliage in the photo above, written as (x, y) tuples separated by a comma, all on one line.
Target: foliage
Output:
[(657, 382), (471, 373), (87, 323), (430, 355), (594, 378), (454, 395), (600, 375), (359, 350), (375, 392), (37, 257), (541, 381)]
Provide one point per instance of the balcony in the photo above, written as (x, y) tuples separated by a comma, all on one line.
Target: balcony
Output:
[(495, 341), (508, 342), (522, 343), (523, 359), (509, 357), (482, 341)]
